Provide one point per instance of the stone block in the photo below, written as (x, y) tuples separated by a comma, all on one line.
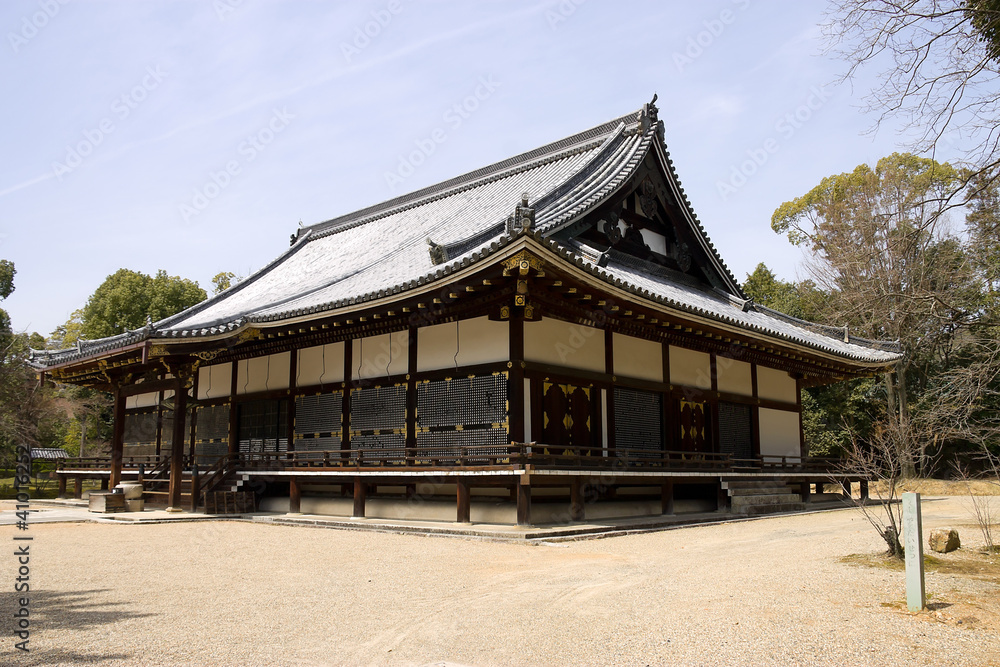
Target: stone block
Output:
[(943, 540)]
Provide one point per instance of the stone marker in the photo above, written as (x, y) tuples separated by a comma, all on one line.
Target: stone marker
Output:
[(943, 540), (913, 546)]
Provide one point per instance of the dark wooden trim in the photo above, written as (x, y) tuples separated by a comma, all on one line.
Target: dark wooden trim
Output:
[(577, 509), (294, 495), (463, 493), (234, 415), (524, 502), (360, 492), (147, 387), (515, 384), (609, 367), (713, 406), (345, 408), (293, 367), (118, 437), (754, 411), (159, 424), (803, 449), (537, 416), (667, 497), (177, 444), (412, 356)]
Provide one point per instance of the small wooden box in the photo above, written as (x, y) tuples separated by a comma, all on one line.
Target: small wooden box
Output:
[(106, 502)]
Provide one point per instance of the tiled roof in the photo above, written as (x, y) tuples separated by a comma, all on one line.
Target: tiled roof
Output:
[(383, 250)]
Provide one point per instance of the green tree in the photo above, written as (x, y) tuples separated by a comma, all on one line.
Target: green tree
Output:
[(65, 335), (880, 246), (224, 280), (127, 298)]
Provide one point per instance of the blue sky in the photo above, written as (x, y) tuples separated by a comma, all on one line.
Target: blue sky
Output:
[(194, 136)]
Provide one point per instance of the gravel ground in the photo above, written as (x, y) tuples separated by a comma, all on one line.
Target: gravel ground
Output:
[(764, 592)]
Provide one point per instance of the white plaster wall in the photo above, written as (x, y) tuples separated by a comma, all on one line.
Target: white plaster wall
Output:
[(776, 385), (779, 433), (734, 376), (215, 381), (263, 373), (560, 343), (690, 368), (656, 242), (475, 341), (638, 358), (320, 364), (379, 356), (142, 400)]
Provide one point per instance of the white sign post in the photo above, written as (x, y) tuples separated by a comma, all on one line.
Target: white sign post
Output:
[(913, 545)]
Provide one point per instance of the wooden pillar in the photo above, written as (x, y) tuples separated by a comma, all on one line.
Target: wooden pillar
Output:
[(62, 486), (847, 489), (294, 496), (177, 444), (515, 391), (117, 437), (609, 368), (805, 491), (195, 486), (667, 497), (464, 501), (524, 501), (234, 414), (411, 395), (863, 484), (78, 488), (345, 406), (360, 489), (722, 497), (104, 483), (293, 364), (713, 406), (755, 412), (576, 506)]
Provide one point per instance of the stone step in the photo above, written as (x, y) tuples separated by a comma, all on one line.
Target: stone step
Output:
[(756, 510), (762, 491), (756, 484), (772, 499)]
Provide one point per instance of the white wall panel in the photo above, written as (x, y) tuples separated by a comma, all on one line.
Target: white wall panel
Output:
[(380, 356), (320, 364), (560, 343), (776, 385), (466, 343), (779, 433), (734, 376), (215, 381), (638, 358), (266, 373), (690, 368)]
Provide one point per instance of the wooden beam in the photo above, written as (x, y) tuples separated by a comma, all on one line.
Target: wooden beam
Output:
[(667, 497), (464, 501), (78, 487), (360, 490), (294, 495), (177, 444), (515, 385), (234, 415), (117, 438), (576, 506), (524, 502)]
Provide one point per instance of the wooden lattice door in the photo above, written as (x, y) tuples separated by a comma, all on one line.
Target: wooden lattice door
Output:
[(694, 427), (567, 413)]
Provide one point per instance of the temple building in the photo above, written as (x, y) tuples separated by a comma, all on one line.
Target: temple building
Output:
[(550, 338)]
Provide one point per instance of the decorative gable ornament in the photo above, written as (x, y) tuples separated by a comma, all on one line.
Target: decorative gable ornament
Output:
[(523, 220)]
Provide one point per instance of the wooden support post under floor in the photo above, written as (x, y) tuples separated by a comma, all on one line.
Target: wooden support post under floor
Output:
[(667, 498), (177, 447), (464, 501), (722, 498), (523, 503), (62, 486), (78, 488), (294, 496), (847, 489), (195, 487), (805, 491), (104, 483), (117, 438), (576, 506), (863, 484), (360, 489)]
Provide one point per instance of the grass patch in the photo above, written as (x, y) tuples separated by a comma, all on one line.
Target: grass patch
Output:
[(942, 487), (964, 563)]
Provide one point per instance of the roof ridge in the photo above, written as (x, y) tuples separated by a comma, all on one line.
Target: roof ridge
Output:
[(522, 160)]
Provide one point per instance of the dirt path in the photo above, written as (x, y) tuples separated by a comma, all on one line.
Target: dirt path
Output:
[(764, 592)]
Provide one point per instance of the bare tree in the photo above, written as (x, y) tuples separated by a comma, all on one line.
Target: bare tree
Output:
[(878, 460), (937, 64)]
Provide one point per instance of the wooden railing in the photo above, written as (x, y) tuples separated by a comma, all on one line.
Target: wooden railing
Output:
[(473, 456)]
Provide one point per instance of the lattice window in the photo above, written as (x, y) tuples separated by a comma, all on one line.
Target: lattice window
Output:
[(378, 421), (638, 423), (140, 434), (212, 433), (735, 430), (463, 412), (263, 426), (318, 424)]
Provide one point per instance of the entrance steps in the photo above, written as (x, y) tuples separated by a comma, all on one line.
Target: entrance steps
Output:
[(756, 497)]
